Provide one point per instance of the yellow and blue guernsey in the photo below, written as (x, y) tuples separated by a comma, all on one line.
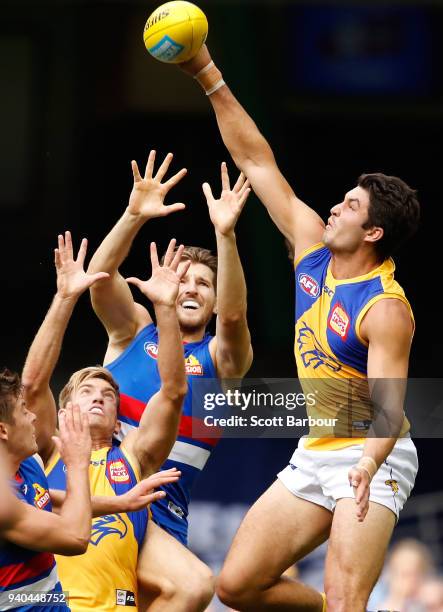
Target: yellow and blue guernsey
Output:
[(104, 578), (330, 352)]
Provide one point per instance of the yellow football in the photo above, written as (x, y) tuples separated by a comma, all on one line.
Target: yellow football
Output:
[(175, 32)]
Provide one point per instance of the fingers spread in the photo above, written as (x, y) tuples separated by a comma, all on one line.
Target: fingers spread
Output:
[(135, 172), (154, 256), (150, 165), (164, 167), (169, 255), (177, 258), (225, 177)]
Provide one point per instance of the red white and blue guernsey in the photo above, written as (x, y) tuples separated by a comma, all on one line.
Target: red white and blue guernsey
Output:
[(25, 574), (136, 372)]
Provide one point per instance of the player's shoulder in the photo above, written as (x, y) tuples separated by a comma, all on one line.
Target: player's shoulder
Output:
[(387, 318)]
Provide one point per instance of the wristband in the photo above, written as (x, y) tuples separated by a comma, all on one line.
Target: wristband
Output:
[(210, 78)]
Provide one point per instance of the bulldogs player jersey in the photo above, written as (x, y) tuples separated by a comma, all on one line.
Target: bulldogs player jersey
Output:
[(330, 352), (25, 574), (136, 372), (104, 577)]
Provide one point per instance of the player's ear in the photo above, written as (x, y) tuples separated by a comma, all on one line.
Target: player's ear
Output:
[(117, 428), (374, 234), (3, 431), (215, 309)]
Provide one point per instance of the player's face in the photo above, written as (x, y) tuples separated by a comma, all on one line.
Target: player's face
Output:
[(98, 399), (196, 297), (344, 232), (21, 436)]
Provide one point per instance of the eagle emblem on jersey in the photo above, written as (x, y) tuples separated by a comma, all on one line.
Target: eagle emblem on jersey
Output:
[(107, 525), (312, 352), (393, 484)]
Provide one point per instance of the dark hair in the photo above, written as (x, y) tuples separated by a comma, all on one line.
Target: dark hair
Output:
[(10, 389), (201, 256), (393, 206)]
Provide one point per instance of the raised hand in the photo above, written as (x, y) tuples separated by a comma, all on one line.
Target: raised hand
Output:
[(225, 211), (143, 493), (74, 439), (148, 193), (72, 280), (163, 286)]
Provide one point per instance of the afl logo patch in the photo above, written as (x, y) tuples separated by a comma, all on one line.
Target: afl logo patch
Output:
[(309, 285), (339, 321), (151, 349)]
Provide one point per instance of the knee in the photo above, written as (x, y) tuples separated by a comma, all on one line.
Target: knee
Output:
[(200, 588), (232, 591)]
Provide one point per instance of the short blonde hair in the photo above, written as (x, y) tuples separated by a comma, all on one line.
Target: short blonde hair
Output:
[(79, 377)]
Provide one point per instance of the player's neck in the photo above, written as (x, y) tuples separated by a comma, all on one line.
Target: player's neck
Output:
[(193, 335), (99, 441), (12, 464), (351, 265)]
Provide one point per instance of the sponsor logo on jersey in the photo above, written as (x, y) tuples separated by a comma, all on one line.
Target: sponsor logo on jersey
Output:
[(124, 598), (118, 472), (193, 366), (309, 285), (107, 525), (151, 349), (176, 510), (393, 484), (42, 497), (96, 463), (312, 352), (338, 321)]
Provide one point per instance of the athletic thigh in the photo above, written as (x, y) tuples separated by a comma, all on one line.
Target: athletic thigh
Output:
[(356, 551), (166, 565), (278, 530)]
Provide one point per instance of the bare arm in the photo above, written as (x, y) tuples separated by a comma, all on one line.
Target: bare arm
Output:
[(112, 299), (253, 155), (152, 441), (68, 533), (45, 349), (138, 498), (231, 348), (388, 329)]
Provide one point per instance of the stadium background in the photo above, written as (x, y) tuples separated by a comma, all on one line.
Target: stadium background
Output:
[(338, 89)]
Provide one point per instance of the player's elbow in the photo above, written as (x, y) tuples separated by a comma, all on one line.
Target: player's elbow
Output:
[(176, 391), (75, 545)]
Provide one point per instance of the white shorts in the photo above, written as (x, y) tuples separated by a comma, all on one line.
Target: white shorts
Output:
[(321, 477)]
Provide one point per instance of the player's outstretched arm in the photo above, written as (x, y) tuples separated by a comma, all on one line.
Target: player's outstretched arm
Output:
[(253, 155), (112, 299), (388, 329), (69, 532), (138, 498), (45, 349), (231, 348), (151, 443)]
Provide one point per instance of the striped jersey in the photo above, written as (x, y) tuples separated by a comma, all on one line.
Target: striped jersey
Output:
[(104, 577), (136, 372), (23, 571), (330, 352)]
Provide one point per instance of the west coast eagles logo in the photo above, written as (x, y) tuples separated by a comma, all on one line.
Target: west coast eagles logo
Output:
[(193, 366), (107, 525), (393, 484), (42, 497), (312, 352)]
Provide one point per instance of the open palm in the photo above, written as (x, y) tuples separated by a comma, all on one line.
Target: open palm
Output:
[(225, 211), (148, 193)]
